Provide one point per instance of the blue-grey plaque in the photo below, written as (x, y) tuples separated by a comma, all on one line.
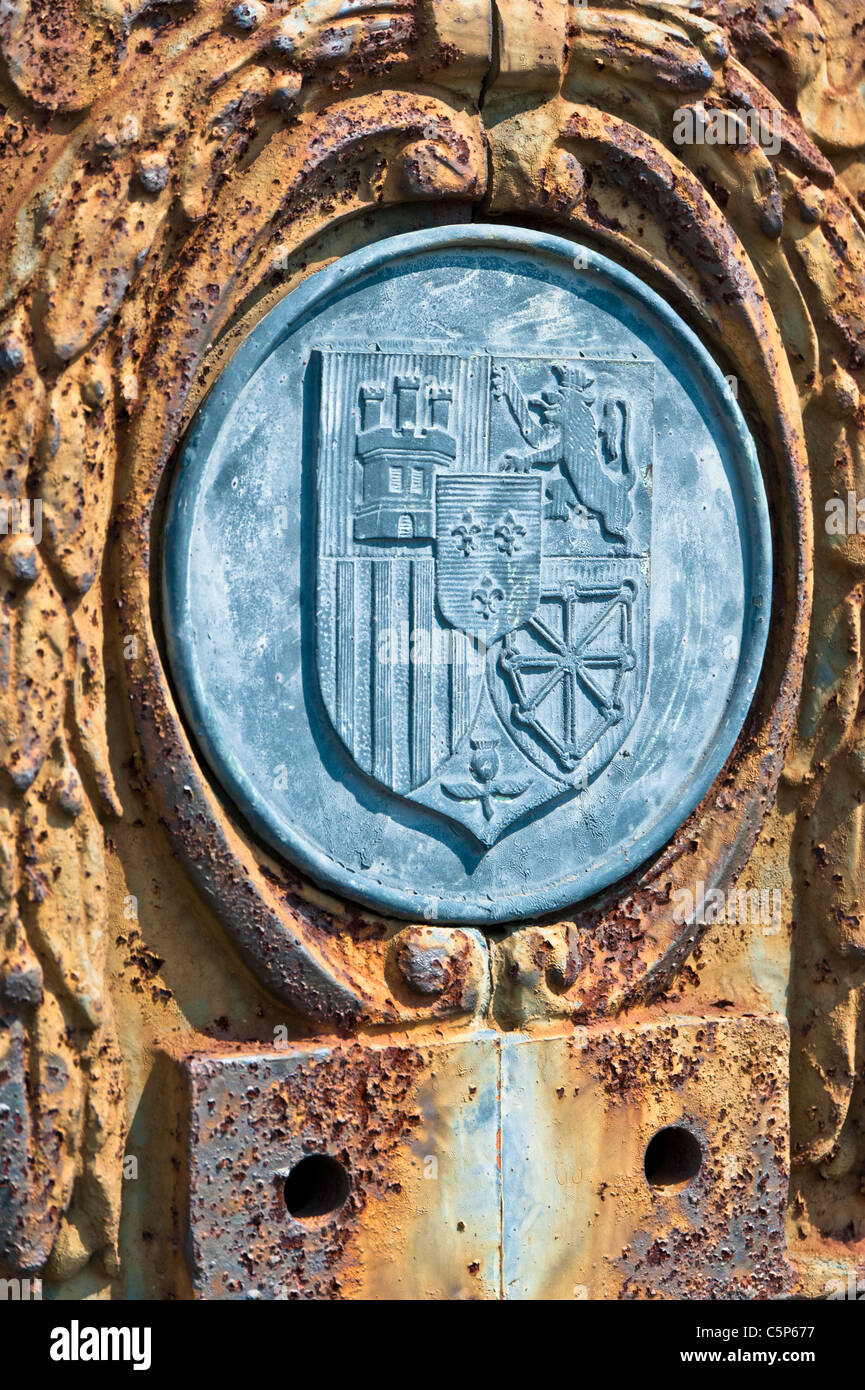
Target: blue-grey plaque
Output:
[(467, 575)]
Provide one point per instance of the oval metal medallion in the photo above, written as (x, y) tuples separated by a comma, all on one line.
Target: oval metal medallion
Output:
[(467, 575)]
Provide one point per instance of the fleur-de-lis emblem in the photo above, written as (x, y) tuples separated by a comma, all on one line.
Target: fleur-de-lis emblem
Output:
[(487, 596), (508, 533), (465, 532)]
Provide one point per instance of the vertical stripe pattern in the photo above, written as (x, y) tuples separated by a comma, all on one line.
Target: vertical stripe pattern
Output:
[(459, 688), (345, 643), (383, 659), (420, 668)]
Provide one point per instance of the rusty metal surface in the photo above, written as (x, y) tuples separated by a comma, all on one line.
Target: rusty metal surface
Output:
[(415, 1129), (582, 1218), (503, 1166), (167, 174)]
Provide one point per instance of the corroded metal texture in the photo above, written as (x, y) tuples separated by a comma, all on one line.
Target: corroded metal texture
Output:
[(649, 1163), (414, 1128), (167, 173), (503, 1166)]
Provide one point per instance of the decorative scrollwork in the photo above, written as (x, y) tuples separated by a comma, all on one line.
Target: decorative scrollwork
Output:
[(160, 164)]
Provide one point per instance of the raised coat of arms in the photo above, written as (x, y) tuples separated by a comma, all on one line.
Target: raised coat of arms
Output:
[(482, 613)]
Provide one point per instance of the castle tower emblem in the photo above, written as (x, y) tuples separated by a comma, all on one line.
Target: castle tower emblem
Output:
[(403, 440)]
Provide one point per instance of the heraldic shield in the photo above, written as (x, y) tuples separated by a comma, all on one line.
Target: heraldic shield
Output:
[(482, 604)]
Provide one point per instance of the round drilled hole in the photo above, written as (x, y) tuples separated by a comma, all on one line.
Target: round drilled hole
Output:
[(317, 1185), (673, 1156)]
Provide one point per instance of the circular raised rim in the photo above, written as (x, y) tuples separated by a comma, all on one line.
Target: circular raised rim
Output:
[(280, 835)]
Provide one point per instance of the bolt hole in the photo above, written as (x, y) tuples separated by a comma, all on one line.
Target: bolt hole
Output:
[(317, 1185), (673, 1156)]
